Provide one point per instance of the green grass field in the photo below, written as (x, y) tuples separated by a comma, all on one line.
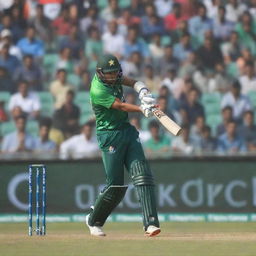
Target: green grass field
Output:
[(127, 239)]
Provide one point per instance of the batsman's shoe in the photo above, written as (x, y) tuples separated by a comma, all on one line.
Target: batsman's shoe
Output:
[(152, 231), (94, 230)]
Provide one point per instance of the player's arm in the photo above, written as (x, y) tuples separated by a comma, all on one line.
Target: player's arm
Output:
[(119, 105), (144, 108), (145, 95)]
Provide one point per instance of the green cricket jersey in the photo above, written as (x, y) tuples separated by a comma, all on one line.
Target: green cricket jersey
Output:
[(102, 97)]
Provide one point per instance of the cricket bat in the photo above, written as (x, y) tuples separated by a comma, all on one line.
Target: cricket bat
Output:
[(167, 122)]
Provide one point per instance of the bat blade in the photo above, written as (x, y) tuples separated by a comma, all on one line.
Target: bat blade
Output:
[(167, 122)]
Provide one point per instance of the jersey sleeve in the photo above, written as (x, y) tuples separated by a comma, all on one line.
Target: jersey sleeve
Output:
[(102, 97)]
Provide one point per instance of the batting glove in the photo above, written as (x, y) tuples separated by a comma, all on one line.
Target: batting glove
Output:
[(146, 109)]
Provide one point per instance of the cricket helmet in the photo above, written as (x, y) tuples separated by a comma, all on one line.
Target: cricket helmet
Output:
[(108, 63)]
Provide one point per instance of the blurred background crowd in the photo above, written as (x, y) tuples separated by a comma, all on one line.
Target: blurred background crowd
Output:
[(197, 57)]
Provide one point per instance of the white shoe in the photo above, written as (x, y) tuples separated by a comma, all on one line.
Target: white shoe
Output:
[(94, 230), (152, 231)]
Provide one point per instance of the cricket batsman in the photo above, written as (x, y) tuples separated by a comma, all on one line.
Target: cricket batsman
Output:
[(120, 145)]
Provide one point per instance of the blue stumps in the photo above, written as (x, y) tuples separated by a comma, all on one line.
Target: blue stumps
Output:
[(39, 186)]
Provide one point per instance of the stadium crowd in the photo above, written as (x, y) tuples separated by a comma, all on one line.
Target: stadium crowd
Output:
[(197, 57)]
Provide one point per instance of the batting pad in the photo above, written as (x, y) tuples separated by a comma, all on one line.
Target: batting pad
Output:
[(106, 202), (144, 183)]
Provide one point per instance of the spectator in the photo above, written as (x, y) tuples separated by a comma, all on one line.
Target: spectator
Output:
[(156, 49), (192, 106), (162, 102), (222, 27), (184, 144), (174, 83), (230, 142), (150, 23), (135, 44), (43, 144), (171, 20), (252, 8), (182, 49), (59, 88), (248, 80), (144, 135), (151, 79), (234, 8), (91, 19), (158, 143), (3, 114), (227, 116), (220, 81), (85, 81), (42, 24), (6, 38), (74, 42), (134, 66), (93, 47), (30, 44), (61, 24), (173, 104), (197, 128), (80, 146), (65, 61), (113, 41), (246, 30), (127, 20), (200, 23), (137, 8), (7, 61), (212, 7), (28, 101), (209, 55), (66, 118), (163, 7), (112, 11), (6, 23), (207, 143), (29, 72), (231, 49), (19, 140), (239, 102), (189, 66), (6, 83), (248, 130), (168, 61)]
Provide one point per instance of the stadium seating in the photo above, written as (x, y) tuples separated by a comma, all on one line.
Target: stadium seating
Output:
[(5, 96)]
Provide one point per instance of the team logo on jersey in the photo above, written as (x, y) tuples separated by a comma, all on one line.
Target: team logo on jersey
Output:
[(111, 150), (111, 63)]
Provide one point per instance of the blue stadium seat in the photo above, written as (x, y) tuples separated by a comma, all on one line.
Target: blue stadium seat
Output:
[(213, 121), (5, 97), (32, 127), (252, 96), (7, 127), (211, 98)]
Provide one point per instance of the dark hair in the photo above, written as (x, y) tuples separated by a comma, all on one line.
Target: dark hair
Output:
[(206, 128), (61, 70), (153, 124), (71, 92), (23, 116), (45, 121), (227, 108), (248, 112), (236, 84), (23, 82)]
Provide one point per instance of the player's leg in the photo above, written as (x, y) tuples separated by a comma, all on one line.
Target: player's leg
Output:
[(143, 181), (113, 152)]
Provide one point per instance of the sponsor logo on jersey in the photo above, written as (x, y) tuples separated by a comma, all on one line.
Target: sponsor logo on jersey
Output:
[(111, 150)]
